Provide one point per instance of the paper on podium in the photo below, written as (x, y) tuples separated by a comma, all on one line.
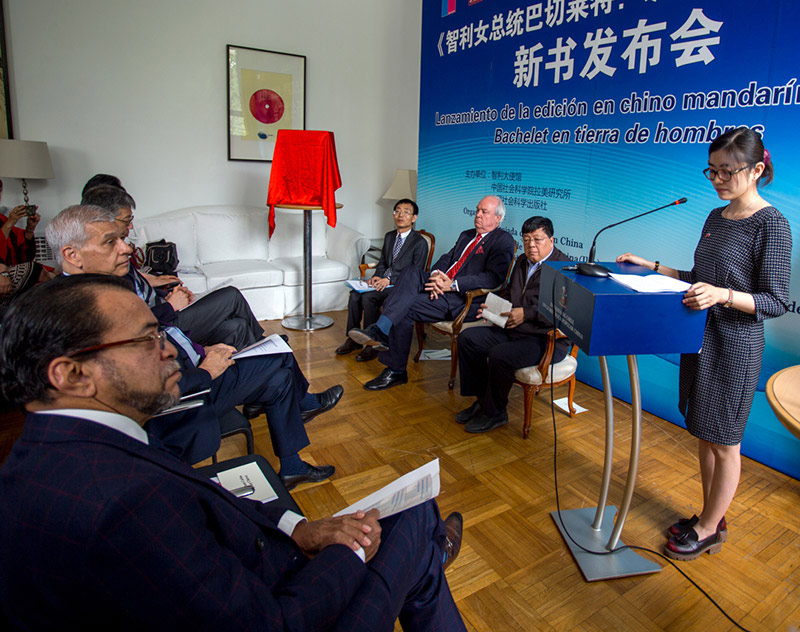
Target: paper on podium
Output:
[(265, 346), (494, 307), (650, 282), (239, 481), (408, 491)]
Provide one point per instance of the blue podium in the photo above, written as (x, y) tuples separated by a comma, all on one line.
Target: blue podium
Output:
[(606, 318)]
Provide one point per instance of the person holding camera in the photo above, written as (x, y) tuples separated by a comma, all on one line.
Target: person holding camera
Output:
[(16, 244)]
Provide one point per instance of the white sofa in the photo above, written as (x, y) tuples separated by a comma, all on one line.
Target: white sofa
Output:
[(217, 243)]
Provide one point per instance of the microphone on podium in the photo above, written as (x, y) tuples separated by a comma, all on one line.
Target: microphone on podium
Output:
[(591, 268)]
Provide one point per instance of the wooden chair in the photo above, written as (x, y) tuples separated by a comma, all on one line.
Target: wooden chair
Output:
[(532, 378), (428, 237), (454, 327)]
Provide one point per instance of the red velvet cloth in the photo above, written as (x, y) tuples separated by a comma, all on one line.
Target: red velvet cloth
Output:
[(304, 172)]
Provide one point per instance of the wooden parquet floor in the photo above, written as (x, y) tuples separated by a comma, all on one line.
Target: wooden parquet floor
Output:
[(514, 571)]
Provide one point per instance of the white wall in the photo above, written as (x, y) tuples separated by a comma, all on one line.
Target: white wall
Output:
[(137, 88)]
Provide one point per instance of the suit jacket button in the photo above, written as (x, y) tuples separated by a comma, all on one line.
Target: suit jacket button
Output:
[(260, 544)]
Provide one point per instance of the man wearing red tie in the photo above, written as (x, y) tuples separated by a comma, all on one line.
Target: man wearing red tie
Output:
[(480, 258)]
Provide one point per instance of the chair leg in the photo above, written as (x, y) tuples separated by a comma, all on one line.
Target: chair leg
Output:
[(453, 361), (248, 435), (570, 396), (214, 458), (529, 392), (420, 329)]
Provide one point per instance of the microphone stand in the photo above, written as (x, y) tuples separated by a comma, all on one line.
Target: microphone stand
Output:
[(593, 269)]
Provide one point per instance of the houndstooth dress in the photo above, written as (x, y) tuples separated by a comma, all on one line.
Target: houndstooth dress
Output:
[(750, 255)]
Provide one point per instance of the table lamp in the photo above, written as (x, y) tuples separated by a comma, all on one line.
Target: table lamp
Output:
[(403, 186), (25, 159)]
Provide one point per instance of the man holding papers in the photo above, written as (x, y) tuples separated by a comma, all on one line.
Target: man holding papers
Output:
[(273, 383), (489, 356), (102, 528), (402, 247)]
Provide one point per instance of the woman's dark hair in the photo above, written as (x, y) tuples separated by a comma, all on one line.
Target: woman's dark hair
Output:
[(50, 320), (532, 224), (411, 203), (746, 146)]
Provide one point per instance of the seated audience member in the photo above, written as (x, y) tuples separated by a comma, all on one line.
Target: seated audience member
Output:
[(402, 247), (220, 317), (103, 528), (274, 383), (17, 278), (489, 356), (16, 244), (480, 259)]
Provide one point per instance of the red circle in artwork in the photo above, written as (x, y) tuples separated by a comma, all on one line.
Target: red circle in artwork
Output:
[(267, 106)]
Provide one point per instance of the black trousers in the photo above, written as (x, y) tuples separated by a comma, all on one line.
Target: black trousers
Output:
[(367, 305), (488, 357), (220, 317)]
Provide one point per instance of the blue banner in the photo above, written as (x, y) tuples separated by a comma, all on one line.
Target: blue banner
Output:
[(591, 111)]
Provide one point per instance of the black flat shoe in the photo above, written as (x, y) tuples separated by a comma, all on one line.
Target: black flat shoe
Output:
[(454, 531), (251, 411), (687, 546), (370, 337), (348, 346), (368, 353), (684, 524), (463, 416), (387, 379), (327, 400), (483, 423), (314, 474)]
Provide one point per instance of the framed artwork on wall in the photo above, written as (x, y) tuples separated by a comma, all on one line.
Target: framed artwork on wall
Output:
[(6, 129), (266, 93)]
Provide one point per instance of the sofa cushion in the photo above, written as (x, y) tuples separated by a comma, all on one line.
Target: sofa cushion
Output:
[(233, 236), (322, 270), (193, 279), (287, 240), (178, 229), (245, 274)]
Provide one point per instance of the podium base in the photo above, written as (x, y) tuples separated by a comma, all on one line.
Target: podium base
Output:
[(307, 323), (623, 563)]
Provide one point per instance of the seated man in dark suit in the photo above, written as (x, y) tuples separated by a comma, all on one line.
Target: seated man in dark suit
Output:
[(480, 258), (221, 316), (489, 356), (101, 528), (92, 243), (402, 247)]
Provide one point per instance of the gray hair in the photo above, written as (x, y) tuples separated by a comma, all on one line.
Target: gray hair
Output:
[(68, 228)]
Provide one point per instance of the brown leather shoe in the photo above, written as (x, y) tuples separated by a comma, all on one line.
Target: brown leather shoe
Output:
[(348, 346), (454, 528)]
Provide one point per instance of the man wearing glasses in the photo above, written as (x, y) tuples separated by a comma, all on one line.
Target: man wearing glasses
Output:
[(489, 356), (101, 527), (402, 248)]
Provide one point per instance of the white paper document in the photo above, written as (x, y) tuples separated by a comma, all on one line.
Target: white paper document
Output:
[(494, 307), (650, 282), (266, 346), (361, 286), (247, 481), (563, 404), (408, 491)]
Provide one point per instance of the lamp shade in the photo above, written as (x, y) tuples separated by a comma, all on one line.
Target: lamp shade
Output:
[(25, 159), (404, 185)]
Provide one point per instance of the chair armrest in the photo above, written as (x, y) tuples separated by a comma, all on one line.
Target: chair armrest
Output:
[(552, 337), (363, 267), (471, 295)]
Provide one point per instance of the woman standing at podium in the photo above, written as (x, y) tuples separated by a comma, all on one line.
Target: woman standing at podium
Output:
[(741, 277)]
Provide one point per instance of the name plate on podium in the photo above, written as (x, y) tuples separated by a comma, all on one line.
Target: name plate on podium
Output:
[(605, 318)]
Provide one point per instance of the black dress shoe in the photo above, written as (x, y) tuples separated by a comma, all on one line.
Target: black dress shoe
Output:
[(687, 546), (483, 423), (387, 379), (327, 400), (313, 474), (251, 411), (348, 346), (684, 524), (367, 354), (454, 530), (463, 416), (371, 337)]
